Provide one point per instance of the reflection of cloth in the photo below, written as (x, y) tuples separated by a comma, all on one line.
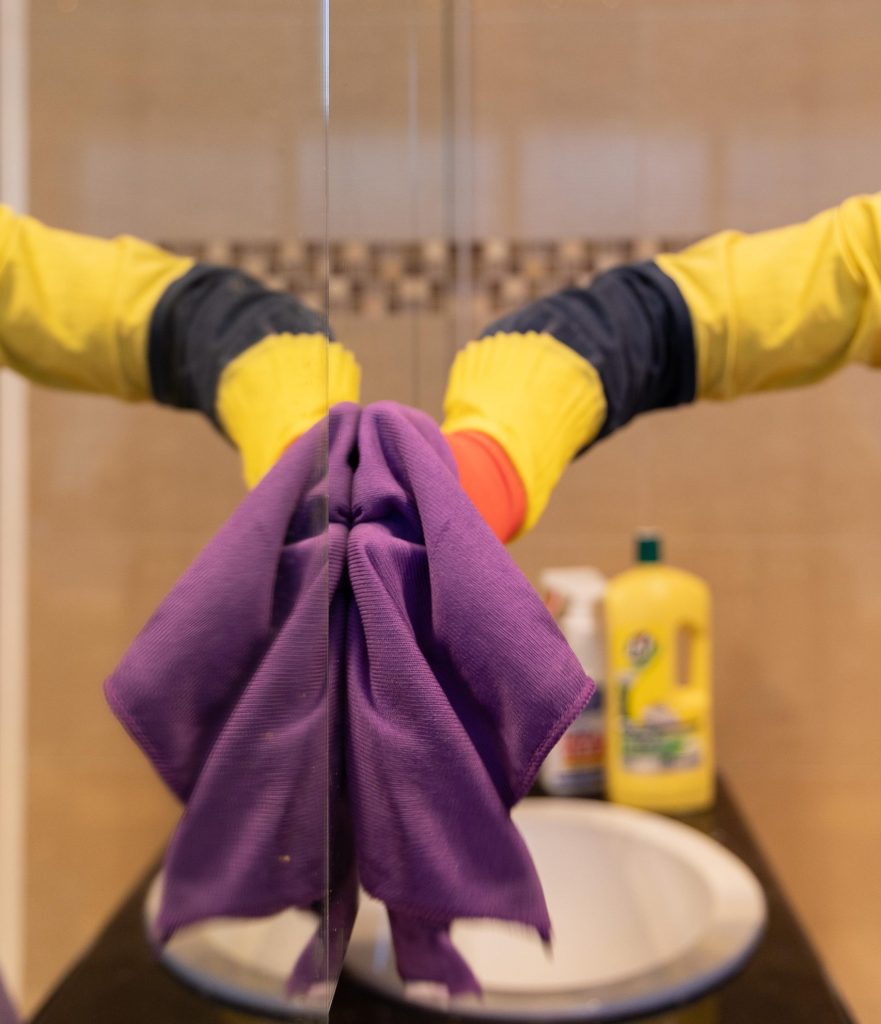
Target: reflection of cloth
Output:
[(449, 682), (7, 1014)]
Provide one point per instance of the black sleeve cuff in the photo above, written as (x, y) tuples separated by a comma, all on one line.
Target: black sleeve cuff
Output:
[(203, 321), (633, 326)]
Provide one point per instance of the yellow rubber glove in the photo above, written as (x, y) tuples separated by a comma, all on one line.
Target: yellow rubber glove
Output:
[(255, 361), (262, 414), (535, 397), (548, 380), (784, 308)]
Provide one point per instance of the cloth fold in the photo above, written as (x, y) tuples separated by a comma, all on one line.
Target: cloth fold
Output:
[(384, 690)]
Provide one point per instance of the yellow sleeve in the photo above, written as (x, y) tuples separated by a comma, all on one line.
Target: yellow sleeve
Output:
[(784, 308), (75, 311)]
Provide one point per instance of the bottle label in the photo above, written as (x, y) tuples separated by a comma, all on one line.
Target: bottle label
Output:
[(575, 765), (655, 737)]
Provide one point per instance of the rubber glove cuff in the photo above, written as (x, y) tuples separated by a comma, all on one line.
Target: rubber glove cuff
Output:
[(276, 390), (536, 398)]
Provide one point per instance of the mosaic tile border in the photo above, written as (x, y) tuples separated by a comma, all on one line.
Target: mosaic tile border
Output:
[(380, 279)]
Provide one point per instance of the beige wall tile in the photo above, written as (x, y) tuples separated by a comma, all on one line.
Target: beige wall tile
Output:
[(178, 120), (122, 500)]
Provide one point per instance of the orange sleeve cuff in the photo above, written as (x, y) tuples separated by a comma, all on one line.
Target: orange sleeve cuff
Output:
[(489, 479)]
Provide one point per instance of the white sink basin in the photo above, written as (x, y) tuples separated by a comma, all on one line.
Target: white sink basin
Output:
[(646, 913)]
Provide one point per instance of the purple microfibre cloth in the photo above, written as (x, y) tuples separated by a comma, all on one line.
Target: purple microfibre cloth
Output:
[(392, 680)]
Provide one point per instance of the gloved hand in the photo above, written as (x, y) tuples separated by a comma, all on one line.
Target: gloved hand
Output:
[(731, 315), (519, 405), (125, 318), (546, 381), (257, 362)]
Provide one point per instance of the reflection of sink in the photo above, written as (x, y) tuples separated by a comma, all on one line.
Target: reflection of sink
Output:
[(646, 912), (244, 962)]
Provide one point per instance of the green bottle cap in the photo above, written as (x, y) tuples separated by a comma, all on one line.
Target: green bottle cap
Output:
[(648, 546)]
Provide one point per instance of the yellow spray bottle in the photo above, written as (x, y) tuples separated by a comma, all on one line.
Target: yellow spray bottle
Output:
[(659, 736)]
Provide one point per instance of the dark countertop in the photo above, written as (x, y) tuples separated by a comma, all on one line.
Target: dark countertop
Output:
[(118, 981)]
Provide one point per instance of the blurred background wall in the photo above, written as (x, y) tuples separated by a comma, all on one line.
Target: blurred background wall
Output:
[(509, 133)]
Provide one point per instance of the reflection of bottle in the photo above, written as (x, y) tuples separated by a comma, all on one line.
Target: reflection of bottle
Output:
[(659, 742), (575, 766)]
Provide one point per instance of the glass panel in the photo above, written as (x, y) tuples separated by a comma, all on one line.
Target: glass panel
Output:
[(13, 537), (200, 127), (391, 193), (486, 154)]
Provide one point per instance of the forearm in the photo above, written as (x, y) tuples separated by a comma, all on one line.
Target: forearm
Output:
[(784, 308), (124, 318), (547, 381), (258, 363), (731, 315), (75, 311)]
